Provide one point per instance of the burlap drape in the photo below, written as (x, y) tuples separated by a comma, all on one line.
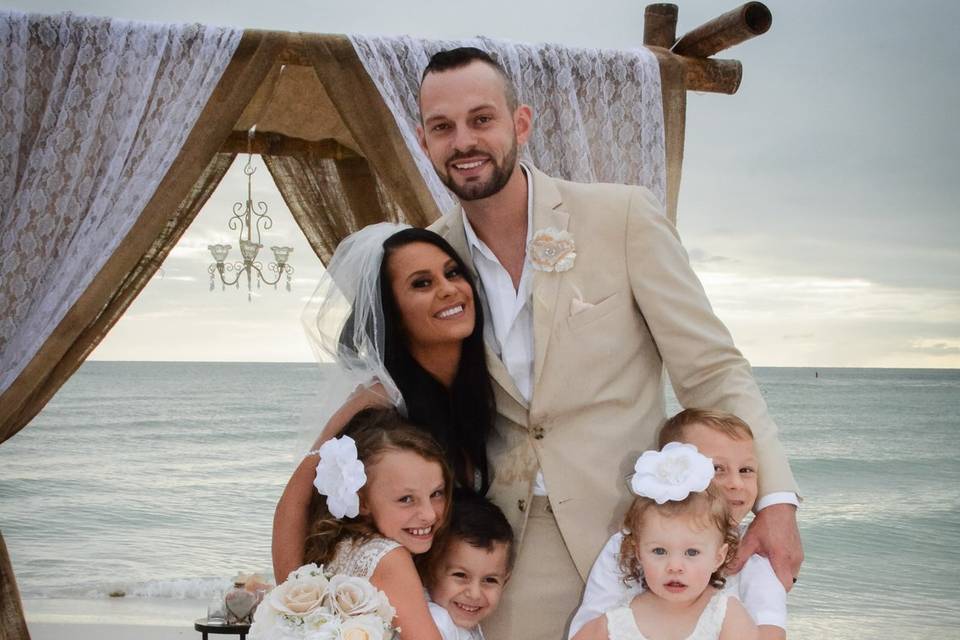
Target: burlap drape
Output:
[(360, 106), (126, 272), (331, 198)]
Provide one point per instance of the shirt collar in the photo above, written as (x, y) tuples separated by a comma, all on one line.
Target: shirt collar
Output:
[(476, 244)]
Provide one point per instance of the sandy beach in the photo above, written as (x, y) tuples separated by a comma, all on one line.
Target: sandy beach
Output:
[(113, 619)]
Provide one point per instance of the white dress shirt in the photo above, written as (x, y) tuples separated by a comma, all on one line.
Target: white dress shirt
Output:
[(508, 311)]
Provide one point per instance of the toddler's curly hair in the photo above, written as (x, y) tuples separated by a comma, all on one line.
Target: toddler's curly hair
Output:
[(707, 509)]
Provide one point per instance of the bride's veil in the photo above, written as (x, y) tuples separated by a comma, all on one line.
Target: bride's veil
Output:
[(344, 322)]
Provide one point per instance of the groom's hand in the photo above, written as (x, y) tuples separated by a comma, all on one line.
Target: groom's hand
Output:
[(774, 534)]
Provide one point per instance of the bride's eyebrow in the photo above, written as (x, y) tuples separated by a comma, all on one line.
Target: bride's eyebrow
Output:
[(418, 273)]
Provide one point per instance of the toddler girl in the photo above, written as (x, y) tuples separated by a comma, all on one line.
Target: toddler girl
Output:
[(383, 490), (678, 539)]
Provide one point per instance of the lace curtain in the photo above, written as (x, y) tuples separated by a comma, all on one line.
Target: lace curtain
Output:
[(92, 113), (598, 114)]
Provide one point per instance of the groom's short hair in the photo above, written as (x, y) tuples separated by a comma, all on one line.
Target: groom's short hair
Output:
[(460, 57)]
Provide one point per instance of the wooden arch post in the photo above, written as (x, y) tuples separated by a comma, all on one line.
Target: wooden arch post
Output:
[(686, 65), (13, 626)]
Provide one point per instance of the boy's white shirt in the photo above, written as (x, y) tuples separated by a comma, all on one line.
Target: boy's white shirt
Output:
[(756, 585), (448, 628)]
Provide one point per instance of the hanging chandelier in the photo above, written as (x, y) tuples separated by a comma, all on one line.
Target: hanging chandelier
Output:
[(249, 218)]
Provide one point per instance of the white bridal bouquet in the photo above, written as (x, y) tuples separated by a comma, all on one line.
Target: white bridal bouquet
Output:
[(311, 605)]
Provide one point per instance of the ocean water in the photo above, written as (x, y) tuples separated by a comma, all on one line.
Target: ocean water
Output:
[(159, 480)]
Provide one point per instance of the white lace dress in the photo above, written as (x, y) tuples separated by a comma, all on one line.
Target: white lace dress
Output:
[(622, 626), (354, 557)]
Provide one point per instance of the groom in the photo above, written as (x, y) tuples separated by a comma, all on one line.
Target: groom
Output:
[(587, 294)]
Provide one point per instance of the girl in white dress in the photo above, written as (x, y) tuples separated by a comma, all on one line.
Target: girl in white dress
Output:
[(383, 491), (679, 537)]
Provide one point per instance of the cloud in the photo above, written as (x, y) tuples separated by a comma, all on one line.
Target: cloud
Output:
[(701, 257), (947, 347)]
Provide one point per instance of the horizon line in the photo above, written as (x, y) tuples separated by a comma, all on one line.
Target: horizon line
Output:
[(754, 366)]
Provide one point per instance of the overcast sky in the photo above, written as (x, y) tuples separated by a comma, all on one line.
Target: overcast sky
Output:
[(819, 204)]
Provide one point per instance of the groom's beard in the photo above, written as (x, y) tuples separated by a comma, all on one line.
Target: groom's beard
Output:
[(480, 190)]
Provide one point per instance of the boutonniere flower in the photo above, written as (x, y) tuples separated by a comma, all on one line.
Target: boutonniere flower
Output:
[(552, 250), (671, 473)]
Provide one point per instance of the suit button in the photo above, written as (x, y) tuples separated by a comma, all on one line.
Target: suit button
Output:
[(522, 504), (538, 432)]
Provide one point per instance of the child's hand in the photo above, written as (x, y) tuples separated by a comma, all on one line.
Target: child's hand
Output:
[(774, 534)]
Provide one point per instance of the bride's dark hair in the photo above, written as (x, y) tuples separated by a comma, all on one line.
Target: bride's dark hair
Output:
[(459, 418)]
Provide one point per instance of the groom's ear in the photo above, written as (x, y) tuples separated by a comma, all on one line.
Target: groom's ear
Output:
[(523, 123), (422, 139)]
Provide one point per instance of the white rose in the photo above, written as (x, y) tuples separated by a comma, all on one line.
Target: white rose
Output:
[(265, 620), (306, 570), (322, 625), (300, 595), (384, 609), (672, 473), (268, 624), (352, 596), (368, 627)]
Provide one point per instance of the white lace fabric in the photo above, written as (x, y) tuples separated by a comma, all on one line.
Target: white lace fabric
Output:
[(93, 112), (353, 557), (598, 114), (621, 624)]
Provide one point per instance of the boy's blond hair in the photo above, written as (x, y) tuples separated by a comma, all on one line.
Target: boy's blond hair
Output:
[(714, 419)]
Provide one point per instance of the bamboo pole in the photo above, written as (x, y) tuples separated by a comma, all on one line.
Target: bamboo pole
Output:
[(732, 28), (13, 626), (276, 144), (660, 25), (674, 97), (713, 76)]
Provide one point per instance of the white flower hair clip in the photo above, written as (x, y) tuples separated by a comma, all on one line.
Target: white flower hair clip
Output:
[(552, 250), (672, 473), (340, 476)]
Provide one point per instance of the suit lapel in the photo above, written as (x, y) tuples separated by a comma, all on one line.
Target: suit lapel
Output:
[(453, 232), (546, 284)]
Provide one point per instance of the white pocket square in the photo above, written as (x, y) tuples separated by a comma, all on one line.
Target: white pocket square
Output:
[(579, 306)]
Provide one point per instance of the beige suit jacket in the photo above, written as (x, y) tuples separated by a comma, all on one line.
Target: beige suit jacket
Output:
[(603, 332)]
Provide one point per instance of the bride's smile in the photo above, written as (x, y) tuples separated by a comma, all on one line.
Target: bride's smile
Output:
[(434, 299)]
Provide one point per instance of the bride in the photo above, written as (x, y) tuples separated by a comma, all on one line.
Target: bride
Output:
[(397, 313)]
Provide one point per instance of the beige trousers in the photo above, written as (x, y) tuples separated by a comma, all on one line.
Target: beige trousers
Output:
[(545, 588)]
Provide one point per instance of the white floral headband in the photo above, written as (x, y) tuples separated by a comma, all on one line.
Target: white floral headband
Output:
[(340, 476), (672, 473)]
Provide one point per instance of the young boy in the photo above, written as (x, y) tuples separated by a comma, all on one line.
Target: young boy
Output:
[(728, 441), (469, 568)]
